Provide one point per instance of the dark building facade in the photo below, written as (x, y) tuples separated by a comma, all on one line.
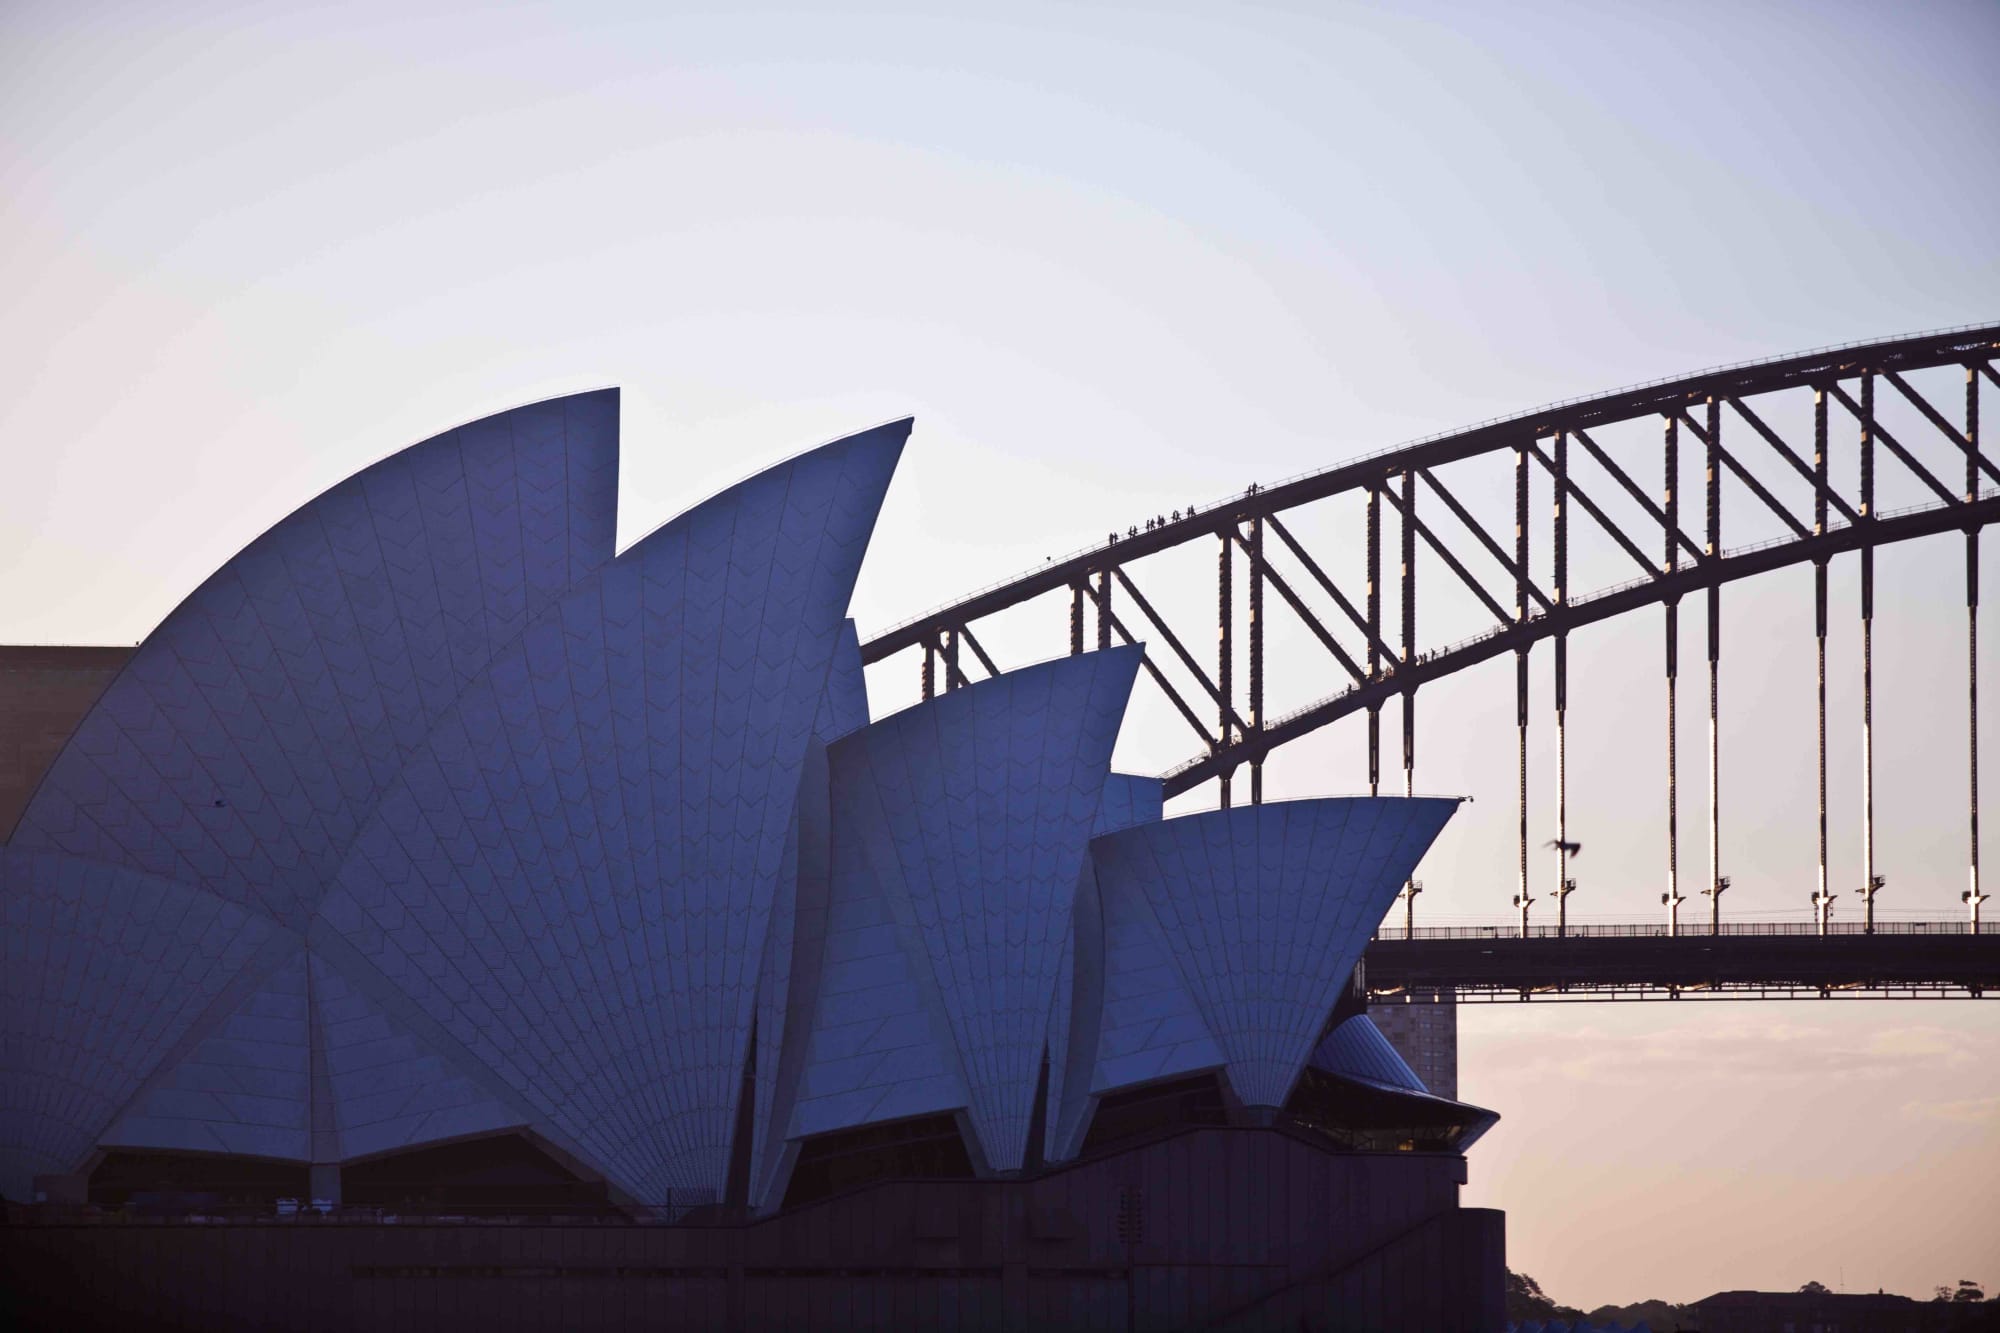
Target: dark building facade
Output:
[(1425, 1034), (1205, 1228)]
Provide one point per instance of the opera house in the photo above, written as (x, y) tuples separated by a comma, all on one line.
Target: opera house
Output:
[(470, 922)]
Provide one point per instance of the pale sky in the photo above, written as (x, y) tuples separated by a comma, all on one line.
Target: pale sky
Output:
[(1115, 259)]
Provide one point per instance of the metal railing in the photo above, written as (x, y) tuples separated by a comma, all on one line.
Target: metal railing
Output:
[(1394, 934)]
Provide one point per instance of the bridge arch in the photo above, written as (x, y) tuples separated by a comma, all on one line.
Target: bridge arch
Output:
[(1719, 419)]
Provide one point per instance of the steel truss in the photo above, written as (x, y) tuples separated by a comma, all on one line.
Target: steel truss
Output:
[(1712, 412), (1628, 992)]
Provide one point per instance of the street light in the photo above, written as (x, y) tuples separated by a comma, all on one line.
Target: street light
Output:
[(1715, 892), (1875, 886), (1562, 905), (1408, 893)]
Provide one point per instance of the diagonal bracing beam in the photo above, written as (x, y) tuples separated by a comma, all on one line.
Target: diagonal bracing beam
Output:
[(1646, 501), (1575, 492), (1785, 452), (1258, 563), (1874, 428), (1936, 418), (1340, 599), (1173, 641), (965, 633), (1166, 686), (1756, 487), (1493, 548), (1451, 561), (943, 645), (1573, 615)]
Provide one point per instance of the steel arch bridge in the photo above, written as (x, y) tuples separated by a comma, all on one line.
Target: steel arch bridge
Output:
[(1719, 420)]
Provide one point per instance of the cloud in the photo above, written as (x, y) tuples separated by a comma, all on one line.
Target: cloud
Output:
[(1971, 1111), (1730, 1049), (1918, 1042)]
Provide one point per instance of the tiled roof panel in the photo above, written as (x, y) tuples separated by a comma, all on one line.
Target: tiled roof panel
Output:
[(575, 875), (1264, 910), (972, 811), (253, 731)]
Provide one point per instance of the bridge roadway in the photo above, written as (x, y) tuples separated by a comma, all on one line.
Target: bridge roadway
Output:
[(1746, 961)]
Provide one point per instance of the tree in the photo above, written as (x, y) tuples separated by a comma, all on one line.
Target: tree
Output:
[(1526, 1300), (1969, 1292), (1658, 1315), (1815, 1289)]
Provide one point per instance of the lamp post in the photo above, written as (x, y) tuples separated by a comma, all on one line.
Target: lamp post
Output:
[(1874, 886), (1715, 892), (1823, 905), (1562, 906)]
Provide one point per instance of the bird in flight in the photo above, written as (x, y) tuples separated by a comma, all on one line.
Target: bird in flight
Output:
[(1566, 848)]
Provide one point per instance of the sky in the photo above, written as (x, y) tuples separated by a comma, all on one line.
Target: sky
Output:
[(1114, 259)]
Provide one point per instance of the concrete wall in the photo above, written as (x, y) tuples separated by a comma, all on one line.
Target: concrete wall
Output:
[(1228, 1228)]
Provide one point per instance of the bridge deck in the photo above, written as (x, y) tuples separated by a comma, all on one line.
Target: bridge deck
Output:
[(1904, 960)]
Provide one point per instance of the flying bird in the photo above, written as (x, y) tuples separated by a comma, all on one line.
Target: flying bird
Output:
[(1566, 848)]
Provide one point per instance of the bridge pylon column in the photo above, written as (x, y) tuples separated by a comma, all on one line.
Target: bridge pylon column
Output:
[(1671, 530), (1560, 581), (1407, 536), (1521, 666), (1104, 613), (1819, 605), (1714, 488), (1868, 878), (1225, 661), (1374, 635), (1257, 655), (1972, 897)]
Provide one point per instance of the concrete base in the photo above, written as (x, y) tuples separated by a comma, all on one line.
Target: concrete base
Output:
[(1220, 1228), (62, 1191)]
